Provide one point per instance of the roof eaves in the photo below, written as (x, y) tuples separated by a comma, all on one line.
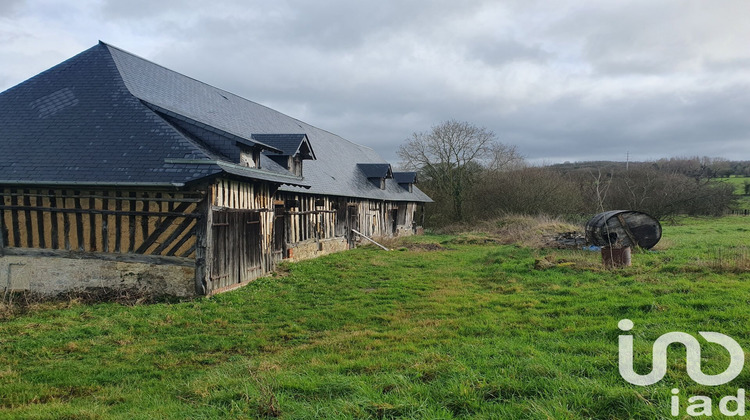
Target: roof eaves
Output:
[(239, 139), (91, 183), (244, 171)]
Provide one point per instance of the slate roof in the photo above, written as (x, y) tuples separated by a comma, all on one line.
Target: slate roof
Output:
[(405, 177), (107, 116), (376, 170), (288, 144)]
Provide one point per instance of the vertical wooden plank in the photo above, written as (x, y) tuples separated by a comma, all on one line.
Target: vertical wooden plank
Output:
[(67, 217), (54, 235), (92, 233), (132, 222), (105, 222), (27, 222), (79, 221), (118, 222), (8, 214), (19, 224), (216, 200), (60, 218), (235, 194), (44, 220), (202, 239), (14, 219)]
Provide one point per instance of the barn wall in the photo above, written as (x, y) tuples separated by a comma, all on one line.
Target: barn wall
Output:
[(377, 218), (67, 239), (239, 235), (176, 242), (312, 219), (110, 221)]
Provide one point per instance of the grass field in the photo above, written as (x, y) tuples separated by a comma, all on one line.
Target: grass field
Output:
[(738, 182), (440, 328)]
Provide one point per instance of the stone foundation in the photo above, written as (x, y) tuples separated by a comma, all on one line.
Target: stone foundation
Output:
[(312, 249), (51, 276)]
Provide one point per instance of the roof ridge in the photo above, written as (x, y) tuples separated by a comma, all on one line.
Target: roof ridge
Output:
[(299, 122)]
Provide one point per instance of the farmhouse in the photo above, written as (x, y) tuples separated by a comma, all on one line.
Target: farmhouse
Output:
[(117, 173)]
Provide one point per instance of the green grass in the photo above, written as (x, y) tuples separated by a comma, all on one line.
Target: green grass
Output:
[(469, 331), (738, 182)]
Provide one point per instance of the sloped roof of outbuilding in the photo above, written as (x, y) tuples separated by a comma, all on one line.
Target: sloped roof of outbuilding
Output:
[(78, 124), (108, 116)]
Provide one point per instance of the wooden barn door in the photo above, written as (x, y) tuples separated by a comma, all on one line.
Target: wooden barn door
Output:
[(237, 252), (279, 234), (353, 223)]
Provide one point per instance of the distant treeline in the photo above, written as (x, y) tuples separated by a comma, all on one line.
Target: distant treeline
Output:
[(576, 191), (694, 167), (472, 176)]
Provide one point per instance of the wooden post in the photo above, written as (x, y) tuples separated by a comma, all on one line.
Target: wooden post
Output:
[(202, 241)]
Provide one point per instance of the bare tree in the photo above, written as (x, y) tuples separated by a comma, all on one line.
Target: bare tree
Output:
[(505, 157), (450, 157)]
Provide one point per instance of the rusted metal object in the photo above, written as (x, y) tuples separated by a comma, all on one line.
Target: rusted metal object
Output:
[(616, 257), (623, 228)]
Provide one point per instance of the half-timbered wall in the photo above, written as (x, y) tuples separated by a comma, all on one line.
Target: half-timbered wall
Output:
[(225, 235), (56, 240), (109, 221)]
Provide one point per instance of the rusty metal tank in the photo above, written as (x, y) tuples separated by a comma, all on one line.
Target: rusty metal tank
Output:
[(623, 228)]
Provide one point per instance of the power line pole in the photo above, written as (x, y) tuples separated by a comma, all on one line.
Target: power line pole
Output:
[(627, 161)]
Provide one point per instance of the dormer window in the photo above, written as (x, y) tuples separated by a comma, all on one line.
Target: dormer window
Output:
[(405, 180), (293, 149), (376, 173)]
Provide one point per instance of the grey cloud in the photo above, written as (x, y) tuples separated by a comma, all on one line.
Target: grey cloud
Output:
[(648, 128), (500, 52), (576, 81), (10, 7), (147, 9)]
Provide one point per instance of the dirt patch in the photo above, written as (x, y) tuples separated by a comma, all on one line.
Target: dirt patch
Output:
[(425, 247), (528, 231), (470, 239), (565, 240)]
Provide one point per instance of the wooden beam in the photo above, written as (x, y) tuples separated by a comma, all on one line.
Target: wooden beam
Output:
[(202, 238), (121, 198), (150, 239), (107, 212)]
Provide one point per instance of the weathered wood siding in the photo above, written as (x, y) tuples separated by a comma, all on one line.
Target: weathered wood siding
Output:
[(385, 218), (311, 217), (231, 232), (308, 217), (158, 223), (240, 234)]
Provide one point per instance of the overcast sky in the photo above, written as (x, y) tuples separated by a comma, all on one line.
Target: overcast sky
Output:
[(562, 80)]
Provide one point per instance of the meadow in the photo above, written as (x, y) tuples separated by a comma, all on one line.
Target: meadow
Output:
[(738, 182), (442, 327)]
